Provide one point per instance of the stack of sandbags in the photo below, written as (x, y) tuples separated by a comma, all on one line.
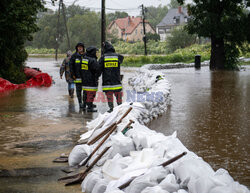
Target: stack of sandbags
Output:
[(138, 153)]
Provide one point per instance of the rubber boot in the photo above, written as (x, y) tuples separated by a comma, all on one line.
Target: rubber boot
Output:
[(91, 108), (111, 107), (71, 93), (84, 106)]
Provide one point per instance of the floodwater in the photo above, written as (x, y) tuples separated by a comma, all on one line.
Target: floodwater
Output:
[(209, 110), (211, 113)]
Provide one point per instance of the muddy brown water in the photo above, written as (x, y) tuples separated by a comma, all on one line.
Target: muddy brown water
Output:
[(209, 110)]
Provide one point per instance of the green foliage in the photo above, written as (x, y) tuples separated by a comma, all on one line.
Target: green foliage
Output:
[(31, 50), (155, 14), (173, 4), (185, 55), (155, 37), (83, 26), (153, 47), (17, 21), (225, 22), (180, 38)]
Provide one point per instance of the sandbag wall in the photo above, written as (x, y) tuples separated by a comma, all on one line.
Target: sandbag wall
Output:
[(140, 151)]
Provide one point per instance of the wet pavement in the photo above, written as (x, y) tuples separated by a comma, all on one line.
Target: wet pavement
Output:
[(209, 110)]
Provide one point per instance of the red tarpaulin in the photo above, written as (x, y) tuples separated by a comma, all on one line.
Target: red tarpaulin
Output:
[(35, 78)]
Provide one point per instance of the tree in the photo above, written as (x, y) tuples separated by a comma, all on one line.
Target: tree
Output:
[(173, 4), (155, 14), (113, 16), (17, 23), (83, 28), (180, 38), (226, 23)]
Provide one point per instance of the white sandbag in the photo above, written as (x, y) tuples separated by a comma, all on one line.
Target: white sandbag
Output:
[(139, 184), (205, 183), (182, 191), (121, 144), (112, 169), (157, 174), (192, 167), (115, 191), (90, 181), (155, 189), (235, 187), (84, 137), (169, 183), (78, 153), (223, 176), (114, 184), (100, 187)]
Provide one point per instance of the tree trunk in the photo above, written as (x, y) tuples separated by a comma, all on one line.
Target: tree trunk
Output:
[(217, 58)]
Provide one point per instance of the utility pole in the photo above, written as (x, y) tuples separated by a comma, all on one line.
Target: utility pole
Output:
[(103, 26), (57, 30), (65, 22), (144, 30)]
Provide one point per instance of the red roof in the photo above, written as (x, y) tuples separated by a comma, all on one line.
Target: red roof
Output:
[(127, 24)]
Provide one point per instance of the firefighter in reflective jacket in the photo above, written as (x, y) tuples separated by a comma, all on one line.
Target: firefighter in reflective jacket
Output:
[(111, 80), (89, 74), (75, 69)]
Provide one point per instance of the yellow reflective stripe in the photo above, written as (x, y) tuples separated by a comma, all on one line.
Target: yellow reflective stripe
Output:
[(77, 81), (85, 62), (112, 88), (106, 59), (90, 89), (77, 61)]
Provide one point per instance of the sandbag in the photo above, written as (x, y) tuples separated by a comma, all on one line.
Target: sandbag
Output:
[(78, 153), (90, 181), (121, 144), (155, 189), (139, 184), (101, 186)]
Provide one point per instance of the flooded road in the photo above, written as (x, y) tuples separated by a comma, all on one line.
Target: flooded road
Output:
[(209, 110), (211, 113)]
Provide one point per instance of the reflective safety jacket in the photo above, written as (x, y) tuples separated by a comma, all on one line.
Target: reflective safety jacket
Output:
[(89, 70), (75, 64), (110, 67)]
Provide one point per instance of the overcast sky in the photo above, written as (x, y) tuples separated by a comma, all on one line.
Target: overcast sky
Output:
[(129, 6)]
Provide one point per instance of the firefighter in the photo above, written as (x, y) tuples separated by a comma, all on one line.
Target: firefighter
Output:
[(75, 69), (111, 80), (90, 74), (65, 69)]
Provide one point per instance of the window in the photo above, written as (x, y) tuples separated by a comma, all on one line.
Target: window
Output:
[(185, 19), (136, 31)]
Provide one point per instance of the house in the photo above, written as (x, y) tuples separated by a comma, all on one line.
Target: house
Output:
[(175, 17), (129, 28)]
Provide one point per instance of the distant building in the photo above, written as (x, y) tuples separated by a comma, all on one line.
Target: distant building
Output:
[(174, 17), (129, 28)]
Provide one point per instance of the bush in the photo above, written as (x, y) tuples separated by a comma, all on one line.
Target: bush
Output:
[(181, 55)]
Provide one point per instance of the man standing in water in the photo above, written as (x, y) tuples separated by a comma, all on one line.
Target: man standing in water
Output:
[(111, 80), (76, 62), (90, 74), (65, 69)]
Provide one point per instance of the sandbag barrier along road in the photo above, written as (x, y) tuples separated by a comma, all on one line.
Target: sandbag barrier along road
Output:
[(138, 153)]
